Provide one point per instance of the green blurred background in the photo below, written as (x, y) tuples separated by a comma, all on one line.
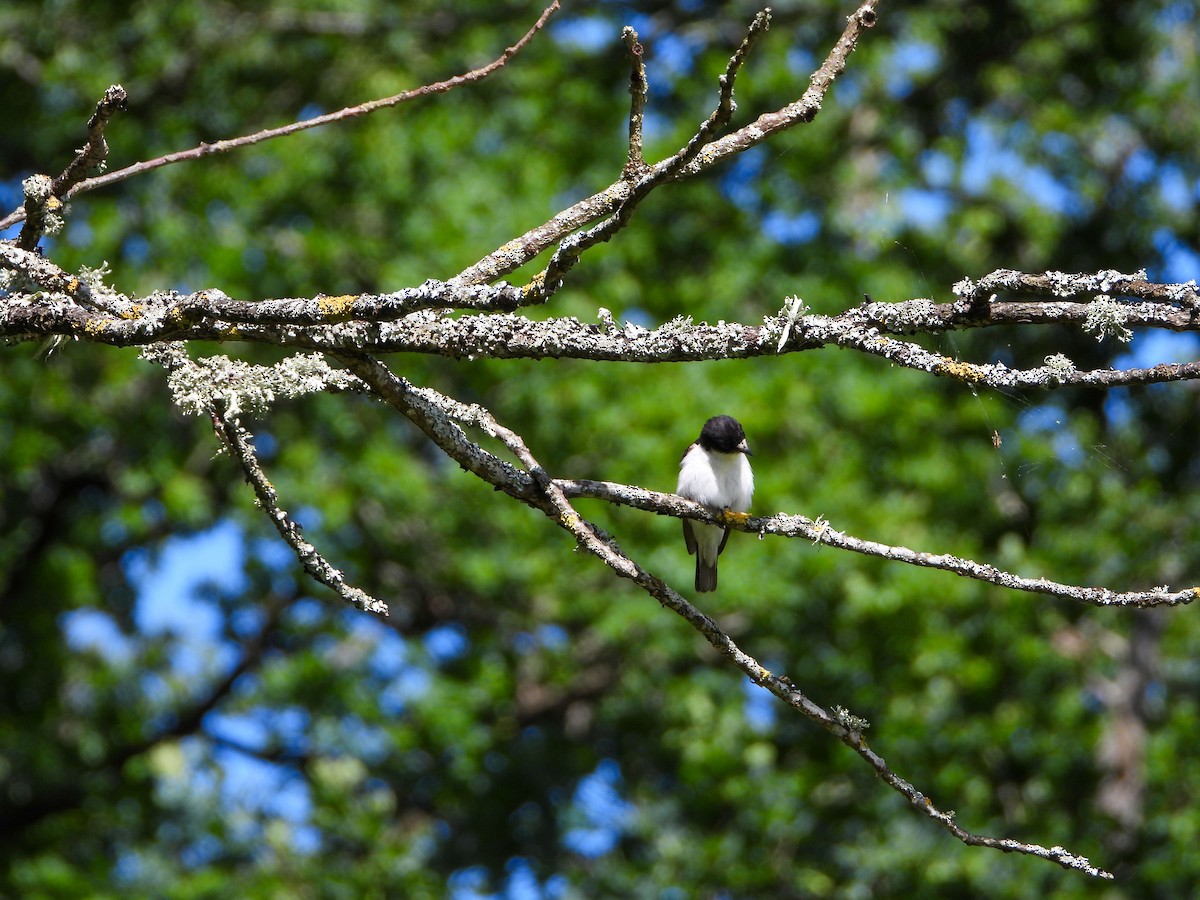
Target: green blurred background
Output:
[(182, 714)]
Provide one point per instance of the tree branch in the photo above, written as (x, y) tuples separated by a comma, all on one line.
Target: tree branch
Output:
[(238, 441), (516, 253), (548, 495), (569, 251), (820, 532), (362, 109), (95, 152), (405, 321), (638, 87)]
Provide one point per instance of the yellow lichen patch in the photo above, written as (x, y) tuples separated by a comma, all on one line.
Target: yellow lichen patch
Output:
[(960, 370), (535, 285), (336, 307), (133, 312), (72, 285), (95, 326), (739, 517)]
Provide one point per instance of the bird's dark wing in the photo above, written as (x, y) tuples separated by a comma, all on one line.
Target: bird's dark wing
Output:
[(689, 538), (724, 538)]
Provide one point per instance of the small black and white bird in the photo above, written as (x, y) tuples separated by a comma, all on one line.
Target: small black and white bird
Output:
[(714, 471)]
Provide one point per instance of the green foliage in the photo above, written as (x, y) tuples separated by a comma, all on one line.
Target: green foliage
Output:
[(431, 751)]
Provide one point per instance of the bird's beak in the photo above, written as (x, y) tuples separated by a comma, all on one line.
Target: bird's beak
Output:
[(743, 447)]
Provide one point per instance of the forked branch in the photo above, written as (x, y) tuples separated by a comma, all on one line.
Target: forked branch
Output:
[(434, 413)]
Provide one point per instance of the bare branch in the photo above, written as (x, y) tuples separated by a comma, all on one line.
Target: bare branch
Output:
[(435, 415), (634, 163), (545, 283), (95, 152), (349, 112), (516, 253)]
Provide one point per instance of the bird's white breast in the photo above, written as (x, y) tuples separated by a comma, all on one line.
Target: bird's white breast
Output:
[(716, 479)]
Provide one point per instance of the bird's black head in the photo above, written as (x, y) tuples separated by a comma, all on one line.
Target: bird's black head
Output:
[(723, 434)]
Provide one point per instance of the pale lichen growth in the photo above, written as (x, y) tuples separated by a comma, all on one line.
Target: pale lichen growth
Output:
[(39, 195), (849, 721), (963, 288), (37, 188), (1059, 367), (904, 317), (793, 309), (1106, 317), (242, 387)]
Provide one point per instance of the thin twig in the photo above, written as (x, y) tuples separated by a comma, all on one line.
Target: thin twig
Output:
[(569, 251), (237, 439), (95, 152), (349, 112), (43, 197), (1069, 285), (635, 164)]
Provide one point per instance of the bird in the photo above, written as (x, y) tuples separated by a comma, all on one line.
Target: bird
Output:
[(715, 471)]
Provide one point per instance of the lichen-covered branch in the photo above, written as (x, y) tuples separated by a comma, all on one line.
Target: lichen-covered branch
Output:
[(216, 403), (432, 413), (820, 532), (94, 153), (1067, 285), (638, 87), (238, 440), (416, 320)]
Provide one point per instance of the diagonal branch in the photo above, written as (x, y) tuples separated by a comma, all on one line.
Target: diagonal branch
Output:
[(43, 197), (349, 112), (237, 439), (95, 152)]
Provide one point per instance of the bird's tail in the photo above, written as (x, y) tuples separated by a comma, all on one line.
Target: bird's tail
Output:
[(706, 575)]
